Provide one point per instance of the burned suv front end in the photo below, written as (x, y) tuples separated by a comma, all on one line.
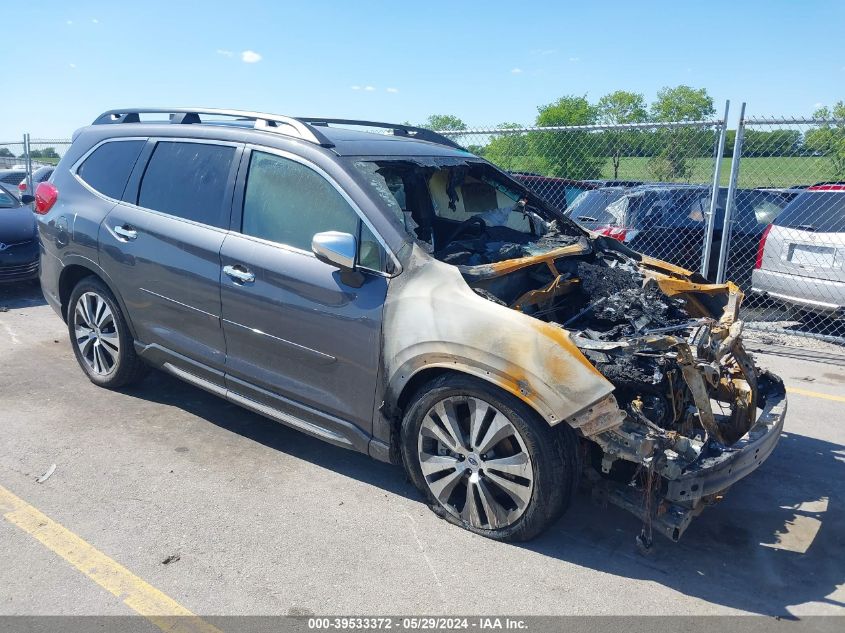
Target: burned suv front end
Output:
[(643, 359), (690, 413)]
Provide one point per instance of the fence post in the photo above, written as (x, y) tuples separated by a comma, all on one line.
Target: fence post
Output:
[(719, 151), (729, 202), (27, 163)]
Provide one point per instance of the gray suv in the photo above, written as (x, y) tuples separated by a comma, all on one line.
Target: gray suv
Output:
[(391, 293)]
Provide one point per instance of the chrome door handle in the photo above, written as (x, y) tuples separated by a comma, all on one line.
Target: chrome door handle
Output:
[(126, 232), (239, 273)]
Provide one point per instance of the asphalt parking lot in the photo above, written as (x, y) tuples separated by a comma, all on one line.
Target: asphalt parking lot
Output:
[(255, 518)]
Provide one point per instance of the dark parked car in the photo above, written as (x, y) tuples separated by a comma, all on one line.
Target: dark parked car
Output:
[(18, 239), (670, 222), (396, 295), (38, 176), (11, 177)]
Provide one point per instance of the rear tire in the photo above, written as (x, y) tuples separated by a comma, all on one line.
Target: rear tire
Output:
[(510, 487), (100, 338)]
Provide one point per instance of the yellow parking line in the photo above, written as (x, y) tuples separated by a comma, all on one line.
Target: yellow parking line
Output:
[(815, 394), (138, 595)]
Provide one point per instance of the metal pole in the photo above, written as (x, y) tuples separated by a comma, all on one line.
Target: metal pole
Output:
[(714, 192), (729, 202), (28, 164)]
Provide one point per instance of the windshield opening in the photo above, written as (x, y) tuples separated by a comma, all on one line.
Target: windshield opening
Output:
[(466, 213)]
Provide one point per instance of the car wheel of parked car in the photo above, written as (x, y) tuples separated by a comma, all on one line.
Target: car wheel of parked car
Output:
[(486, 461), (100, 337)]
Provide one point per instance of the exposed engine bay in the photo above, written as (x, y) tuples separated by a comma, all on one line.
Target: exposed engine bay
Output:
[(687, 397)]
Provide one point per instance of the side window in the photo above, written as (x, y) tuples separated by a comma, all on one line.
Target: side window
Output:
[(7, 201), (288, 203), (188, 180), (108, 168)]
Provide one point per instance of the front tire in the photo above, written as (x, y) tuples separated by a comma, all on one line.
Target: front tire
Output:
[(100, 338), (486, 461)]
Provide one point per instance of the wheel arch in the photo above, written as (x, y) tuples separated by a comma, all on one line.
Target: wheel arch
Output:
[(75, 270)]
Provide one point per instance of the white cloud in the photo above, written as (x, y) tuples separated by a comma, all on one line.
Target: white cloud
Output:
[(355, 87), (72, 65), (544, 51), (94, 21), (224, 52), (392, 90), (250, 57), (516, 71), (69, 22), (369, 88), (575, 59)]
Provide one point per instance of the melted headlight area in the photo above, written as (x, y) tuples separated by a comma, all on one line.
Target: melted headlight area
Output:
[(668, 341)]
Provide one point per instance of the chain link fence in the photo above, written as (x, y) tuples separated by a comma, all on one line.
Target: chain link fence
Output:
[(795, 252), (745, 205), (648, 185), (25, 163)]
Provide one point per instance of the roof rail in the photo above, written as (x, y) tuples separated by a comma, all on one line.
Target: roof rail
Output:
[(398, 129), (289, 126)]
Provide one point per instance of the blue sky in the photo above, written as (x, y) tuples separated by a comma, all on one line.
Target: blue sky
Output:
[(487, 62)]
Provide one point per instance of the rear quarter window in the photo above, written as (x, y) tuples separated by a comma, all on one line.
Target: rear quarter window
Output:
[(108, 167), (820, 211)]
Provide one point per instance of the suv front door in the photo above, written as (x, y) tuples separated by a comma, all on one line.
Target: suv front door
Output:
[(163, 245), (299, 339)]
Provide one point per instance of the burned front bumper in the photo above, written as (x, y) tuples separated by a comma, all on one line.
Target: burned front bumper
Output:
[(678, 500)]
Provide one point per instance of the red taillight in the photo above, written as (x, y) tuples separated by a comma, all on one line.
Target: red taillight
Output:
[(759, 263), (45, 197), (616, 232), (22, 185)]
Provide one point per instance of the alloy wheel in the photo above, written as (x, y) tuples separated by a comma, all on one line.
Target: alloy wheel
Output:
[(475, 462), (95, 334)]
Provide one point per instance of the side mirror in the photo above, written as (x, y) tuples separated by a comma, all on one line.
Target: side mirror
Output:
[(335, 248), (341, 250), (27, 199)]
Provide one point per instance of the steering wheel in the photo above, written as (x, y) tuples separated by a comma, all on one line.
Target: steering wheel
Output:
[(465, 226)]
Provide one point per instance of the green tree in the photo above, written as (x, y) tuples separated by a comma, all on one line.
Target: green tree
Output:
[(5, 153), (829, 138), (678, 145), (682, 103), (568, 153), (444, 122), (515, 151), (49, 152), (618, 108)]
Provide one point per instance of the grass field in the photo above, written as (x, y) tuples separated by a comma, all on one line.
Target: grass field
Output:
[(754, 172)]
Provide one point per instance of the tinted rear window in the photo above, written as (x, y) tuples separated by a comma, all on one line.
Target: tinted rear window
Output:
[(107, 169), (188, 180), (821, 211)]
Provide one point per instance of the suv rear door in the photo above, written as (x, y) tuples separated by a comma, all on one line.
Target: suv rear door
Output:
[(162, 246), (298, 338)]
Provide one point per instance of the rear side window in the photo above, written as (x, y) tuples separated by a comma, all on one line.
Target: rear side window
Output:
[(605, 207), (188, 180), (287, 202), (820, 211), (107, 169)]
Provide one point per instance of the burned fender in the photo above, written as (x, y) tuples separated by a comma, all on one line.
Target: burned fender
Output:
[(433, 319)]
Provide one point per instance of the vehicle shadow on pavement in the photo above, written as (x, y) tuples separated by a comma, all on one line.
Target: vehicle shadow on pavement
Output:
[(165, 389), (775, 540), (20, 295)]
